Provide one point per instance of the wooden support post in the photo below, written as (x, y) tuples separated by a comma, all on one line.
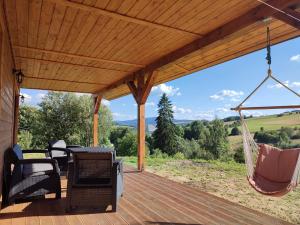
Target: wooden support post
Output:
[(97, 103), (16, 116), (140, 91), (141, 136)]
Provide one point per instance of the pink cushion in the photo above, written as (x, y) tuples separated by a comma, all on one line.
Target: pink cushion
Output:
[(274, 170), (275, 164)]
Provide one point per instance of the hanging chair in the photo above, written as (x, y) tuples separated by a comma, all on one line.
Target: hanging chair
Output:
[(271, 171)]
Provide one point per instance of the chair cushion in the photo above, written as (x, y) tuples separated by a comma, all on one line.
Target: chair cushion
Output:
[(37, 169), (18, 151), (275, 164), (57, 144)]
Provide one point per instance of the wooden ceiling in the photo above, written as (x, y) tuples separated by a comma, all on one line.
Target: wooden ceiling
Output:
[(97, 46)]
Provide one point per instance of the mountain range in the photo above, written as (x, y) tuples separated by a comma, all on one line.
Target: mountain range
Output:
[(150, 123)]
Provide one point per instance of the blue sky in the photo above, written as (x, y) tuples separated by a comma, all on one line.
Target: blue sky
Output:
[(212, 92)]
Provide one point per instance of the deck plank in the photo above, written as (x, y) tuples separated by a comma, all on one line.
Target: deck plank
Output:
[(148, 199)]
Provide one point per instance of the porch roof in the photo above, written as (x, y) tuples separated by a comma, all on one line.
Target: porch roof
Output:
[(97, 46)]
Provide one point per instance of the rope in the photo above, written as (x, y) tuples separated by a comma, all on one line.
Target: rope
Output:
[(279, 10), (268, 58)]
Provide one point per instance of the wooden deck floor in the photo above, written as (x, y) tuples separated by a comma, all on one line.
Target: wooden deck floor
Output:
[(148, 199)]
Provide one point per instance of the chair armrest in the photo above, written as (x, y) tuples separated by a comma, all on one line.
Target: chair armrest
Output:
[(46, 152), (74, 146), (53, 162), (118, 166)]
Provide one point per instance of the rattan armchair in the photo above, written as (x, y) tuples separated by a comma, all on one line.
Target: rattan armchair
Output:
[(29, 178), (95, 181), (60, 151)]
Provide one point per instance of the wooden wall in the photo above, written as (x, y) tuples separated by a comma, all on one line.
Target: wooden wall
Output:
[(7, 93)]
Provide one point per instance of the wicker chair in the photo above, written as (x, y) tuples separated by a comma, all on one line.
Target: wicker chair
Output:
[(60, 151), (30, 178), (95, 181)]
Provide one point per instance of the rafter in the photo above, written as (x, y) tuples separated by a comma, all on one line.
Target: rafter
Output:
[(257, 14), (115, 15), (288, 19), (78, 56)]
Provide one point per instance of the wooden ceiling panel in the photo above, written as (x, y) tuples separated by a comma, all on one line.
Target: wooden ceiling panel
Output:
[(101, 44), (59, 85)]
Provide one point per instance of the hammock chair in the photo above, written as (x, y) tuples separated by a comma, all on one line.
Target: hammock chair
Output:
[(270, 171)]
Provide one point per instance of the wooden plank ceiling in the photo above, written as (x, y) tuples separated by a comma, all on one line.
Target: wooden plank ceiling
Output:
[(96, 46)]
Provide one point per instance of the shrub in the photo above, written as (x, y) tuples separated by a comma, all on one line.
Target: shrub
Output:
[(239, 155), (235, 131), (296, 136), (157, 153), (25, 139), (179, 155), (127, 145)]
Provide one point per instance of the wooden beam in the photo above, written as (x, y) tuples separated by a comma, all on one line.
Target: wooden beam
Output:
[(140, 92), (70, 64), (16, 115), (257, 14), (267, 107), (295, 22), (133, 89), (148, 86), (78, 56), (141, 136), (97, 103), (115, 15)]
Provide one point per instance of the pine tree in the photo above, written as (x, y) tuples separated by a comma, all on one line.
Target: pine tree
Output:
[(165, 135)]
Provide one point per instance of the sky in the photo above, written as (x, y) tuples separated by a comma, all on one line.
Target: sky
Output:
[(210, 93)]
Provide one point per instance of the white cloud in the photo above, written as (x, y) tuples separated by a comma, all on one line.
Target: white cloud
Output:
[(105, 102), (295, 58), (150, 104), (287, 83), (207, 115), (120, 116), (295, 84), (222, 110), (227, 94), (168, 90), (180, 110)]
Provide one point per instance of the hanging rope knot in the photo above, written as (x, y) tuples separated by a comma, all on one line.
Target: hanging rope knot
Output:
[(268, 58), (269, 72)]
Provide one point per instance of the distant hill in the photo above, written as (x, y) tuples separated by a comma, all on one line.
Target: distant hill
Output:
[(150, 123)]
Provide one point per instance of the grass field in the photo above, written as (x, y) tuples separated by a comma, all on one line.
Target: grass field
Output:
[(226, 180), (273, 122)]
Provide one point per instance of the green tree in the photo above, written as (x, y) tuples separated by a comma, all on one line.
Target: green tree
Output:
[(165, 135), (117, 133), (30, 126), (64, 116), (60, 113), (127, 145), (217, 142)]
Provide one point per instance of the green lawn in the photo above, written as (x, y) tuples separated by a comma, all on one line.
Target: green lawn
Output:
[(226, 180), (273, 122)]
